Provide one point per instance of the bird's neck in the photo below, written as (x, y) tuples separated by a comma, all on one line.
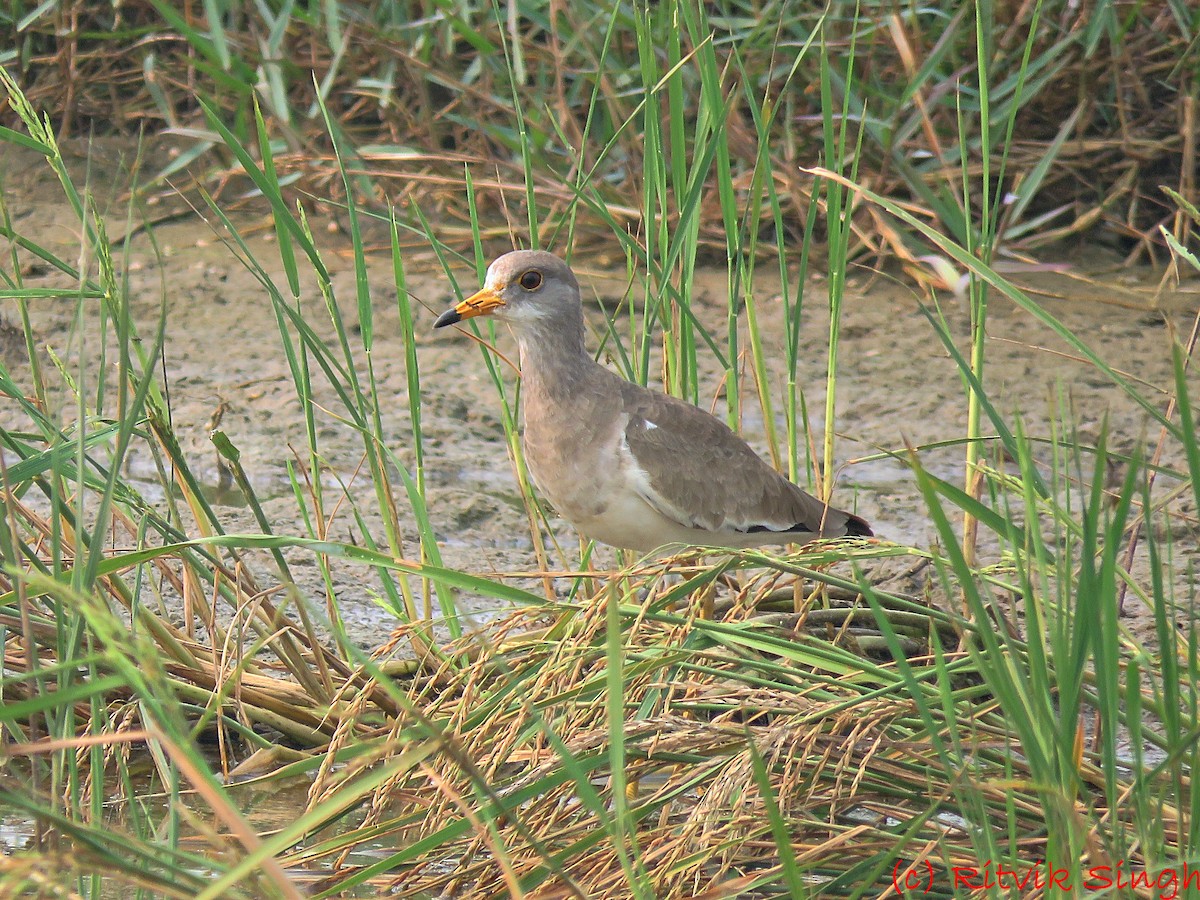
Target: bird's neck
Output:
[(554, 361)]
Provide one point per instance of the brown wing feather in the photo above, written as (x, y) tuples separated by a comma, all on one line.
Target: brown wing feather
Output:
[(707, 477)]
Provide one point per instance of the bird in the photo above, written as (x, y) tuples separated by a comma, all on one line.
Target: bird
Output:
[(626, 465)]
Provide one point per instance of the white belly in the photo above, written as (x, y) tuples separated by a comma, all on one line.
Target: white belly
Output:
[(629, 521)]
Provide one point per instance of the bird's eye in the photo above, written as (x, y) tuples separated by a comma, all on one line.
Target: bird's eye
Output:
[(531, 280)]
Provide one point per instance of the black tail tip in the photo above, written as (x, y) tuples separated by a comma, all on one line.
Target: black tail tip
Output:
[(858, 527)]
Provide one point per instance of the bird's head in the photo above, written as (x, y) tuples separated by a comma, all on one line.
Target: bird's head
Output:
[(522, 288)]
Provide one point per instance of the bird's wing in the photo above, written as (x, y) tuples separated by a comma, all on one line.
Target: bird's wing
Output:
[(693, 469)]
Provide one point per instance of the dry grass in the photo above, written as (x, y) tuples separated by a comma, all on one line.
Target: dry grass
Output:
[(721, 737)]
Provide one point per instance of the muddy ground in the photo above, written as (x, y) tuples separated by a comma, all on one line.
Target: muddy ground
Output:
[(897, 385)]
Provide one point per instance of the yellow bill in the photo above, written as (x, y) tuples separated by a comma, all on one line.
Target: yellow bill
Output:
[(481, 303)]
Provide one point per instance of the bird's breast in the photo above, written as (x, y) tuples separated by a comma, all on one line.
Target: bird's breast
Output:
[(571, 450)]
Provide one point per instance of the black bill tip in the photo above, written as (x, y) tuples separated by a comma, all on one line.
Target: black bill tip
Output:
[(449, 317)]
